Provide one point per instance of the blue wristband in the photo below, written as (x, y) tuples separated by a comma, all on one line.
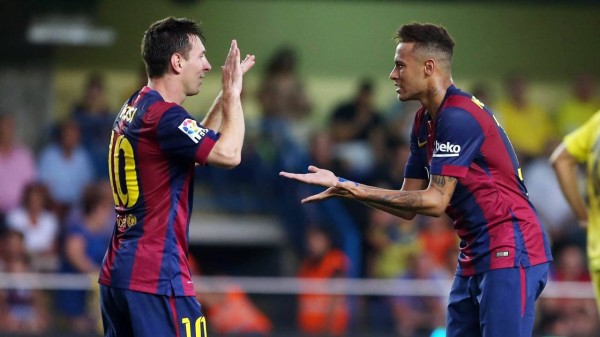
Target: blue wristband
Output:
[(341, 180)]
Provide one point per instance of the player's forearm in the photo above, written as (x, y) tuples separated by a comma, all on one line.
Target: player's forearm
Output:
[(402, 203), (227, 151), (408, 215), (397, 212), (213, 118), (419, 202)]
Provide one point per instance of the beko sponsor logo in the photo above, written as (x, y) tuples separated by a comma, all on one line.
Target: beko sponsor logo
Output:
[(446, 149)]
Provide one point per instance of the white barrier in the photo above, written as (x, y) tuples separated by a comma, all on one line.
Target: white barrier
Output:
[(288, 285)]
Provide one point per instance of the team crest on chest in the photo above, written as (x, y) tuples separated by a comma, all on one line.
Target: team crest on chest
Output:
[(191, 129)]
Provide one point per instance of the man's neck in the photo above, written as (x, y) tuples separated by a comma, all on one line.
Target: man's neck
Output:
[(168, 88), (435, 95)]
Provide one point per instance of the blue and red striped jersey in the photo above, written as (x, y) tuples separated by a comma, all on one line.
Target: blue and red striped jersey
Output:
[(153, 150), (497, 224)]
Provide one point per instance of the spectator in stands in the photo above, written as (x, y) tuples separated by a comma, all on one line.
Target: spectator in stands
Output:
[(438, 239), (94, 117), (420, 315), (17, 167), (399, 117), (40, 227), (356, 127), (322, 314), (66, 168), (140, 81), (482, 92), (518, 116), (358, 118), (232, 313), (285, 107), (22, 310), (281, 95), (392, 240), (86, 239), (580, 106), (12, 246), (394, 155), (545, 193), (573, 316), (3, 225), (334, 215)]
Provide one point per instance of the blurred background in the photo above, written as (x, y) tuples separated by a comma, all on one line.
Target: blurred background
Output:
[(319, 94)]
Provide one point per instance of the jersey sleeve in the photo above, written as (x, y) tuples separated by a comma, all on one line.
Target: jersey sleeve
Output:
[(579, 142), (458, 140), (181, 136)]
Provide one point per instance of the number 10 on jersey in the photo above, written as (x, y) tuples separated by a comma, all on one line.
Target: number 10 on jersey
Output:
[(122, 171), (200, 326)]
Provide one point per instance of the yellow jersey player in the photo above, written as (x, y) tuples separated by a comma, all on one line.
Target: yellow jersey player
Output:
[(583, 146)]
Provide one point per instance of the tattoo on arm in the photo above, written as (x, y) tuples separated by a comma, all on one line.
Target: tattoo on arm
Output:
[(408, 199), (411, 201), (439, 182)]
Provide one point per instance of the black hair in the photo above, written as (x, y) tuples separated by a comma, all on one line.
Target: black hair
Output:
[(426, 36), (165, 38)]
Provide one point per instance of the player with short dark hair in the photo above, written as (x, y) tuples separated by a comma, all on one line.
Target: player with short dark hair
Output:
[(461, 162), (146, 283)]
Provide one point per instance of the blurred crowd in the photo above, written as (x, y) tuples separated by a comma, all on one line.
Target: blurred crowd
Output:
[(57, 209)]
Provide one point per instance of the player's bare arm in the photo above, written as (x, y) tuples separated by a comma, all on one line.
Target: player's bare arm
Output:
[(213, 118), (431, 201), (407, 185), (228, 149), (565, 166)]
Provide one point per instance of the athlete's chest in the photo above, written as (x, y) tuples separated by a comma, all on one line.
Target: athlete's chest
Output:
[(426, 139)]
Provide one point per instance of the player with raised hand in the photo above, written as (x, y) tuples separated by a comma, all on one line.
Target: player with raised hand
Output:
[(145, 283), (460, 162)]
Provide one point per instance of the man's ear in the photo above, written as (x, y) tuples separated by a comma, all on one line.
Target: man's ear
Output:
[(429, 67), (176, 61)]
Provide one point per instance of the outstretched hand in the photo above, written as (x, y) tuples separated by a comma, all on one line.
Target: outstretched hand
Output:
[(319, 177)]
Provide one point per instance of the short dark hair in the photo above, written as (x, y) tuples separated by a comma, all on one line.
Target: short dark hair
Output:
[(38, 187), (427, 37), (93, 195), (165, 38)]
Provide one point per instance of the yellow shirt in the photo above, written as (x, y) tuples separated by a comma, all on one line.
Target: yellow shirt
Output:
[(528, 128), (584, 145), (574, 113)]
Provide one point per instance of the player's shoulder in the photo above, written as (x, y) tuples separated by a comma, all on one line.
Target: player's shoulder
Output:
[(462, 107), (595, 119), (161, 112), (458, 99), (588, 129), (153, 105)]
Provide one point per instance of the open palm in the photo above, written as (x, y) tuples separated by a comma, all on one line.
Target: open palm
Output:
[(319, 177)]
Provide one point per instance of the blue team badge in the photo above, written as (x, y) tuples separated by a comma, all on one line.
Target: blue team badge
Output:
[(191, 129)]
